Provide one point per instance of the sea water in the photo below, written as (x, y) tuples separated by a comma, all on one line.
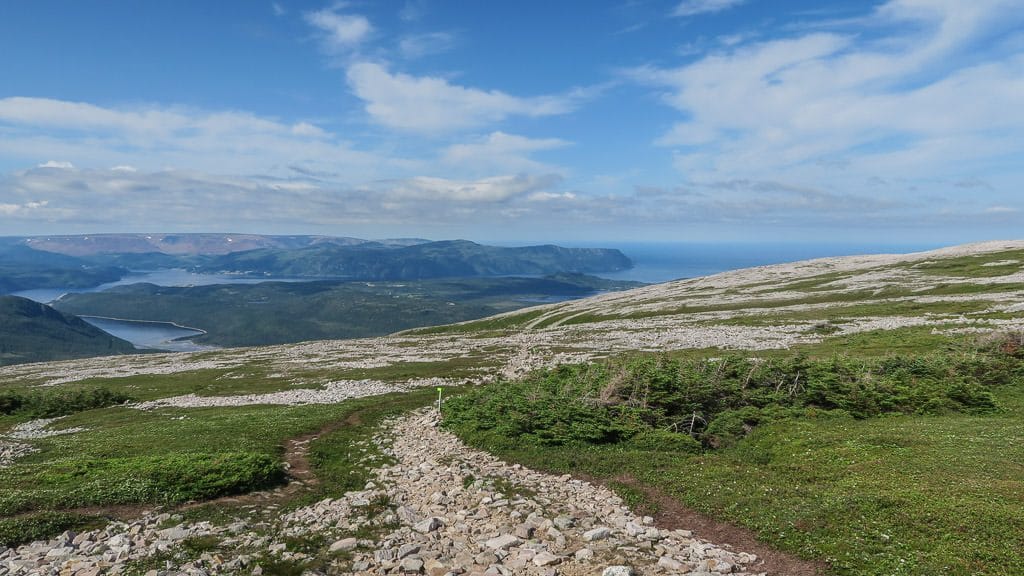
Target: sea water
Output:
[(661, 262)]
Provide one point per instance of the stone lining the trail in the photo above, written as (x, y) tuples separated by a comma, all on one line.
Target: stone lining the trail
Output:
[(331, 393), (446, 509), (464, 511)]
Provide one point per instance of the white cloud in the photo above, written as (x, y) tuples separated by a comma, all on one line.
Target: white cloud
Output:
[(493, 189), (1001, 210), (340, 31), (547, 196), (433, 105), (191, 200), (12, 209), (918, 100), (124, 168), (154, 137), (501, 152), (60, 165), (420, 45), (694, 7), (278, 9), (307, 129)]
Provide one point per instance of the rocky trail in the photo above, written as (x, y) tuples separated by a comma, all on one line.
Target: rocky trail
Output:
[(439, 508)]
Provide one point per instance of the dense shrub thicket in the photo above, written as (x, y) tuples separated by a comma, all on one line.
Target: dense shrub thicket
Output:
[(660, 403), (53, 403)]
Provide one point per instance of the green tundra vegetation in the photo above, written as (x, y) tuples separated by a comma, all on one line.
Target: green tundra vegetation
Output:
[(129, 457), (873, 464), (886, 439)]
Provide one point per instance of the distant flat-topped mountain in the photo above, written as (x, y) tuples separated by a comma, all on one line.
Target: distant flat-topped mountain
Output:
[(33, 332), (89, 260), (455, 258), (185, 244)]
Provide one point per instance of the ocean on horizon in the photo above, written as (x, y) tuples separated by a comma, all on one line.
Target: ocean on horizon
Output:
[(661, 262)]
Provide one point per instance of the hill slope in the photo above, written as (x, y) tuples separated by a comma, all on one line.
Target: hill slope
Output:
[(931, 487), (282, 312), (33, 332)]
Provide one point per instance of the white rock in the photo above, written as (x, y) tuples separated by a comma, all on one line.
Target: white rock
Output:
[(503, 542), (344, 545)]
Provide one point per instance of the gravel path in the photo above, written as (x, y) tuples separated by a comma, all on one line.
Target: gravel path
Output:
[(450, 510)]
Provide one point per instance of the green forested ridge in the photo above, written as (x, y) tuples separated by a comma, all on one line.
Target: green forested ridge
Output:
[(32, 332), (374, 261), (23, 268), (280, 312)]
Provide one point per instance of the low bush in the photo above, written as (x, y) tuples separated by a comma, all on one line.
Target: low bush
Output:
[(661, 403), (57, 402)]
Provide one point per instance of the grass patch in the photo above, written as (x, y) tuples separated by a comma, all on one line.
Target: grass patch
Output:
[(164, 479), (455, 368), (875, 343), (498, 323), (42, 525), (900, 493), (344, 458), (838, 314), (987, 265), (154, 457)]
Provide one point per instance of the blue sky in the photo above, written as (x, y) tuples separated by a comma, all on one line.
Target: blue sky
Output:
[(682, 120)]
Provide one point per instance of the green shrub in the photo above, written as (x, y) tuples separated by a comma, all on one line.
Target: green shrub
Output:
[(10, 402), (51, 403), (719, 401)]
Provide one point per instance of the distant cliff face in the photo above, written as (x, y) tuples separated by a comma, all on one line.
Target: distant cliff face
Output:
[(33, 332), (173, 244)]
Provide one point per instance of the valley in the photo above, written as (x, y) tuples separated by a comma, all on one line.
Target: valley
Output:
[(186, 292), (854, 479)]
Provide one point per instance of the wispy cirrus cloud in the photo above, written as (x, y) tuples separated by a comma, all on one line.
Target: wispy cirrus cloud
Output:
[(895, 106), (484, 190), (434, 105), (501, 152), (35, 130), (58, 164), (425, 44), (688, 8)]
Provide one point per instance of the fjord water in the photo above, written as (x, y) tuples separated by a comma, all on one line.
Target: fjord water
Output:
[(150, 335), (661, 262), (653, 262), (167, 277)]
